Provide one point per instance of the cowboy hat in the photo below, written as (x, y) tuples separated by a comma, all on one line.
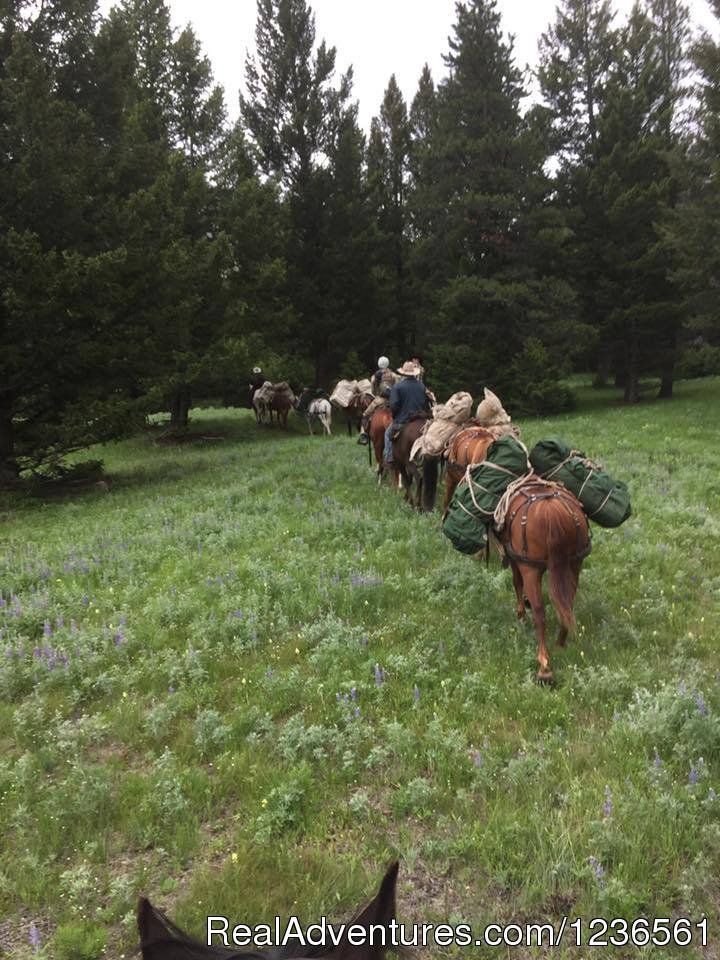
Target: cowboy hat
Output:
[(409, 369), (257, 370)]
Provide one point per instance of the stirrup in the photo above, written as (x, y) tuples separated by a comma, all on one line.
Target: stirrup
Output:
[(363, 439)]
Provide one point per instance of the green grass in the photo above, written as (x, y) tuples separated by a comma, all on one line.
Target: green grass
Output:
[(223, 611)]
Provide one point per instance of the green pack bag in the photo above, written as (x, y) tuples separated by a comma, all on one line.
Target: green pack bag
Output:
[(604, 500), (470, 514)]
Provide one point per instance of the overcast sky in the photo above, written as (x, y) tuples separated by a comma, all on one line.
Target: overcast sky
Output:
[(378, 37)]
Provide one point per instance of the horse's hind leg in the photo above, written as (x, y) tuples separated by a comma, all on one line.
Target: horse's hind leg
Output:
[(574, 578), (532, 588), (518, 584)]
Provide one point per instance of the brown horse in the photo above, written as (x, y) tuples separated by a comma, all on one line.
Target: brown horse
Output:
[(160, 939), (281, 404), (406, 471), (355, 411), (545, 529), (379, 422), (467, 447)]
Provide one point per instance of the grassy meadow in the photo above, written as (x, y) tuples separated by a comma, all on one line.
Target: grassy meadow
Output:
[(246, 678)]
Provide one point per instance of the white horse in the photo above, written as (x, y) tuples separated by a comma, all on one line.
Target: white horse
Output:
[(319, 411)]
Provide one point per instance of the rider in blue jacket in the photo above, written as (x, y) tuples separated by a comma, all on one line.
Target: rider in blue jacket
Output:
[(408, 397)]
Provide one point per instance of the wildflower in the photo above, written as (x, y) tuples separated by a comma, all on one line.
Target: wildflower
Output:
[(701, 705), (693, 778), (598, 870), (608, 805), (657, 762), (353, 693), (171, 689), (477, 758), (47, 629), (73, 626), (711, 794), (416, 693), (263, 802), (357, 712), (234, 857), (297, 651), (34, 937), (269, 672), (60, 623), (379, 676), (119, 638)]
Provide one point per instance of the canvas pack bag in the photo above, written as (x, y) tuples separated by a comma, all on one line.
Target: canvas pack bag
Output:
[(604, 500), (472, 509), (343, 393), (490, 412)]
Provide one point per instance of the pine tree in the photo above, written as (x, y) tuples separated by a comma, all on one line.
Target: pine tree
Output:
[(632, 186), (477, 208), (297, 119), (388, 172)]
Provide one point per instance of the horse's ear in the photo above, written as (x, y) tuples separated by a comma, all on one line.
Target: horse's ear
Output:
[(150, 926), (381, 909)]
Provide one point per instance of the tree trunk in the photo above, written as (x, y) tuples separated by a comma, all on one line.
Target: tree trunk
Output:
[(667, 376), (180, 407), (9, 473)]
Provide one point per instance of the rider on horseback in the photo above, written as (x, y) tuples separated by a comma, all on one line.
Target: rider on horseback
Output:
[(407, 398), (256, 381), (383, 380)]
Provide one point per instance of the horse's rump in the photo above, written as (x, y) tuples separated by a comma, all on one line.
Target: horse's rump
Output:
[(545, 523)]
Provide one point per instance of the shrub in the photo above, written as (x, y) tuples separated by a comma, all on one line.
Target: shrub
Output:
[(79, 941)]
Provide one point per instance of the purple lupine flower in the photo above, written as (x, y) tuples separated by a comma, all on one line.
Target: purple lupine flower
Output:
[(682, 688), (269, 672), (353, 693), (598, 870), (357, 712), (608, 805), (37, 653), (701, 705), (47, 629), (238, 614), (379, 675), (51, 661), (711, 794), (364, 641), (119, 638), (416, 693), (477, 758), (693, 777), (171, 689), (85, 600), (34, 937), (657, 761), (3, 602), (60, 622), (64, 659)]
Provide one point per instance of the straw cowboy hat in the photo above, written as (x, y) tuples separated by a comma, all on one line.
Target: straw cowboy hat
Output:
[(409, 369), (257, 370)]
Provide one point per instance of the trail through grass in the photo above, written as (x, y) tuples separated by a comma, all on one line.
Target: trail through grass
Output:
[(246, 678)]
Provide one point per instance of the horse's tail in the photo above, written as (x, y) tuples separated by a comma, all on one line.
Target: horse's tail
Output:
[(561, 542), (430, 480)]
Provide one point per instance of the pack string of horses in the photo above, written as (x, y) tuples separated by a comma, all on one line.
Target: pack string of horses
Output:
[(543, 523)]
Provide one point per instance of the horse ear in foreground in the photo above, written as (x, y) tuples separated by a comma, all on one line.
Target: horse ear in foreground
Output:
[(160, 939)]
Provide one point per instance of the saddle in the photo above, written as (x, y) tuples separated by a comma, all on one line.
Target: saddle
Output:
[(532, 493), (397, 428)]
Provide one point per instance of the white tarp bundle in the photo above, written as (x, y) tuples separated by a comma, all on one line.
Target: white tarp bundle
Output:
[(348, 390), (490, 412), (343, 393), (448, 418)]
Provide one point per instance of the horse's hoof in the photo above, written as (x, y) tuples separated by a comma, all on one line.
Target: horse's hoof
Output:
[(546, 678)]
